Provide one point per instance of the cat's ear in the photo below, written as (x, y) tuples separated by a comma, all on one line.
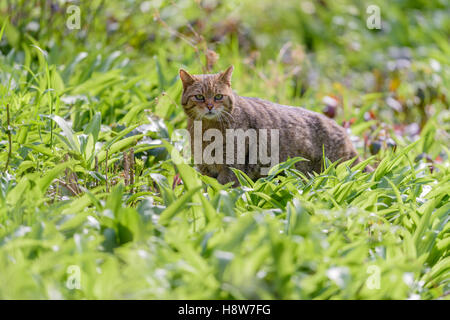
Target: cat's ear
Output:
[(226, 75), (186, 78)]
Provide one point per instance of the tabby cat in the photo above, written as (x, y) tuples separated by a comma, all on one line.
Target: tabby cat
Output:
[(209, 101)]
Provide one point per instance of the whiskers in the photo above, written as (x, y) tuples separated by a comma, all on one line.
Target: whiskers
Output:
[(192, 113), (225, 118)]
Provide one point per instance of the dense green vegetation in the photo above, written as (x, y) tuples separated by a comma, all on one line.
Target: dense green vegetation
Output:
[(88, 178)]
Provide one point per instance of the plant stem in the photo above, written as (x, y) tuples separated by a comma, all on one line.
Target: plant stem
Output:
[(132, 171), (126, 169), (106, 170), (8, 132)]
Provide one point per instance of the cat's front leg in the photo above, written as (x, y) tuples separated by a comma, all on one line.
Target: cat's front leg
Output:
[(226, 175)]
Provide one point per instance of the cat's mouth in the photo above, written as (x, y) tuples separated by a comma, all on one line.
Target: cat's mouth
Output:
[(210, 115)]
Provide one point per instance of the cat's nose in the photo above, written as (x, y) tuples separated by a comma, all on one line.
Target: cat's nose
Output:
[(209, 106)]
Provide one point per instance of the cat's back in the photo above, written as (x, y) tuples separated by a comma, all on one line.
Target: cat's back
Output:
[(304, 130), (273, 115)]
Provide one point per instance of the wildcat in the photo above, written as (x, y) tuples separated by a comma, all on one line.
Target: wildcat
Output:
[(210, 99)]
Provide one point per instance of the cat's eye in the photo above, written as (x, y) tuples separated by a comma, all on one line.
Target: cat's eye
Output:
[(199, 97), (218, 97)]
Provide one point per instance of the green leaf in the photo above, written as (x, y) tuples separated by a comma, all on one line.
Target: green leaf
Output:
[(94, 126), (67, 130), (45, 181), (177, 206)]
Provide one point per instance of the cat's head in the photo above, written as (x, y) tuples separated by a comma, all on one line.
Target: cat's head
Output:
[(207, 96)]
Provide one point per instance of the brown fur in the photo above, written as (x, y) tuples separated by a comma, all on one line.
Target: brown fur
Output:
[(301, 132)]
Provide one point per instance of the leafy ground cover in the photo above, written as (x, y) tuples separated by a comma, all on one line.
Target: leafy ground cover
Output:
[(93, 205)]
